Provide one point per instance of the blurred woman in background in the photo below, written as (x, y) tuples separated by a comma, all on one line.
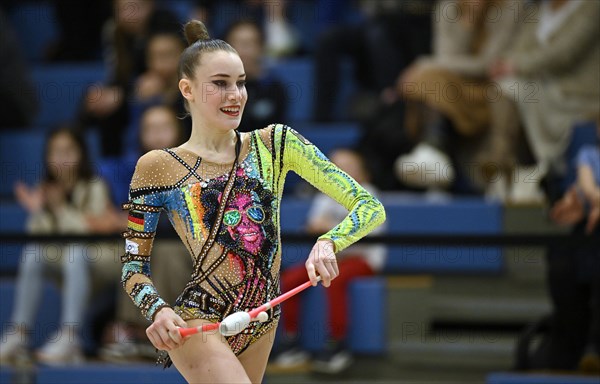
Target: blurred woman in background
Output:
[(451, 88), (159, 128), (266, 94), (70, 200)]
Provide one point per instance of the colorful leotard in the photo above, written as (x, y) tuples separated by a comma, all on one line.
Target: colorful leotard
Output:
[(240, 271)]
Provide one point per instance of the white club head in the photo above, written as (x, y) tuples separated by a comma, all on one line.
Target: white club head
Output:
[(262, 317), (234, 323)]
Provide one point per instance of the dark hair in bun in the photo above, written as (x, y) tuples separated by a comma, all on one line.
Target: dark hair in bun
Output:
[(195, 30), (199, 42)]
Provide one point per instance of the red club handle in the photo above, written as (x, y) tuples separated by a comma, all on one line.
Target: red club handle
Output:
[(253, 313), (279, 299), (203, 328)]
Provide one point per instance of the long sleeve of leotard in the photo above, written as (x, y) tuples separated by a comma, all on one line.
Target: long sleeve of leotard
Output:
[(144, 206), (304, 158)]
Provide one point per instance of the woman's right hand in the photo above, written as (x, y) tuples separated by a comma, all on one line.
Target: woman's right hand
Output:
[(149, 85), (322, 262), (569, 209), (102, 101), (164, 331), (32, 199)]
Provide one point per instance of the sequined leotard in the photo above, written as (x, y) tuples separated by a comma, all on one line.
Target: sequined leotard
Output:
[(240, 271)]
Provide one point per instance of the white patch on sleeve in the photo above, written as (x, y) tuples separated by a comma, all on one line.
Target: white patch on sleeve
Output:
[(131, 246)]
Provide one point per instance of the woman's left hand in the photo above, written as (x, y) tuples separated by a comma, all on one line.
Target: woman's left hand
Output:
[(593, 218), (322, 262), (56, 198)]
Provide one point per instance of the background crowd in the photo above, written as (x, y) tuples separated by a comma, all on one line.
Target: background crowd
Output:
[(460, 97)]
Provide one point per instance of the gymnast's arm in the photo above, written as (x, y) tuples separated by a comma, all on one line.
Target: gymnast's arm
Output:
[(365, 212), (144, 206)]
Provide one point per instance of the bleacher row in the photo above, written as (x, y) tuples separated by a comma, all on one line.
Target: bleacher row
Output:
[(369, 318), (61, 87), (36, 23), (142, 373), (405, 216)]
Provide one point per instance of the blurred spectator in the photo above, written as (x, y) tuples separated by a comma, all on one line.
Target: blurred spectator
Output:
[(552, 75), (266, 94), (574, 276), (125, 38), (452, 85), (66, 202), (203, 10), (158, 85), (160, 128), (378, 48), (356, 261), (18, 104), (159, 81), (279, 37)]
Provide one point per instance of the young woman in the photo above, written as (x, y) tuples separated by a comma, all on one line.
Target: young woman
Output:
[(70, 200), (221, 190)]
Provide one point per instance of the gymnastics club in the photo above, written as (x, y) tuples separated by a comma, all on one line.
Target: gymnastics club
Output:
[(237, 322)]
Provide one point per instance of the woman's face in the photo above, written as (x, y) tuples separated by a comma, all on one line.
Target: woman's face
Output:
[(159, 129), (64, 156), (217, 93), (132, 15), (245, 39), (163, 56)]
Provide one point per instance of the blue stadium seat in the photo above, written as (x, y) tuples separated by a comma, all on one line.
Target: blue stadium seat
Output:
[(61, 88), (109, 373), (367, 314), (313, 318), (182, 9), (293, 220), (6, 375), (367, 318), (294, 253), (21, 158), (36, 26), (297, 76), (328, 137), (9, 257), (293, 215), (539, 378), (12, 220), (117, 173), (457, 217), (47, 318), (304, 17), (13, 217)]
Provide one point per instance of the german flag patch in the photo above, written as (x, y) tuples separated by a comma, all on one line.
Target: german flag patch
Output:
[(136, 221)]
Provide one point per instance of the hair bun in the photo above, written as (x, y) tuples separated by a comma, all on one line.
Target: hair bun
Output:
[(195, 30)]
